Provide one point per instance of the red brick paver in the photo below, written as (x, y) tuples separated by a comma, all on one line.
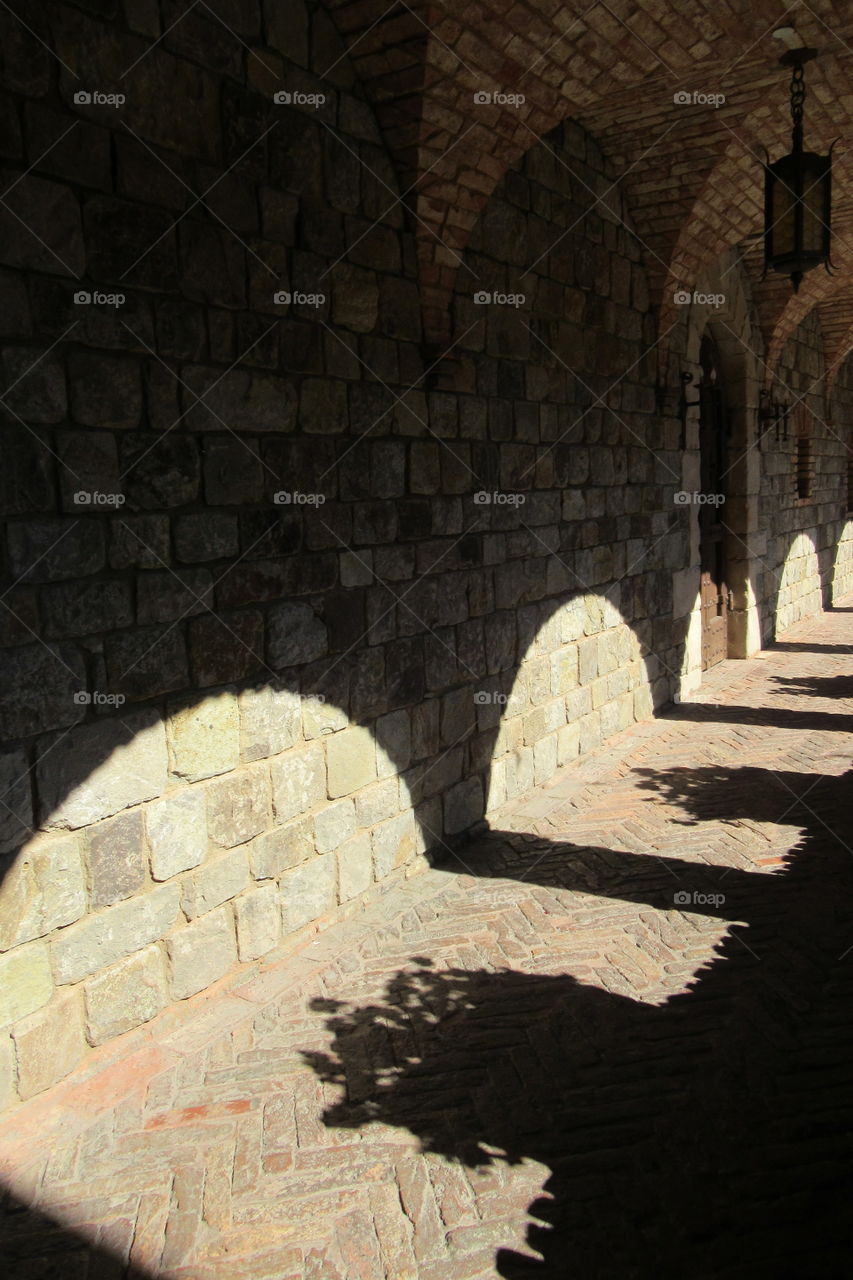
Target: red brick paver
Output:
[(611, 1039)]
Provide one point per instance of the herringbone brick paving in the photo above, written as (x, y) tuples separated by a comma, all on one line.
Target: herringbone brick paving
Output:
[(610, 1038)]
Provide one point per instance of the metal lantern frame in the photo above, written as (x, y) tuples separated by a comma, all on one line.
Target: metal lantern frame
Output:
[(798, 193)]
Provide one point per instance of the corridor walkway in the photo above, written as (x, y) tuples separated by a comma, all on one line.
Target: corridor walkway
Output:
[(611, 1038)]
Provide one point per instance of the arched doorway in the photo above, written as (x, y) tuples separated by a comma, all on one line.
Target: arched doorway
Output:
[(713, 454)]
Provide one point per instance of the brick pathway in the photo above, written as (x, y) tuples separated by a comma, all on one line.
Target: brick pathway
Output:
[(615, 1042)]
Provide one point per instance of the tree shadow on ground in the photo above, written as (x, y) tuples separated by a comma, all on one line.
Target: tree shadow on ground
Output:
[(709, 1136), (816, 686), (36, 1246)]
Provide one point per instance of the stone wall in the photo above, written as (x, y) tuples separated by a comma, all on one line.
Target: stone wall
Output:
[(292, 601)]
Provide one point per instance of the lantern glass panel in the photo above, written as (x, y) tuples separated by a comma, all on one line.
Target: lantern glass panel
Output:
[(783, 213)]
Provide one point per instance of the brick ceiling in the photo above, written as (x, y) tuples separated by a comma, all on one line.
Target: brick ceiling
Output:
[(691, 174)]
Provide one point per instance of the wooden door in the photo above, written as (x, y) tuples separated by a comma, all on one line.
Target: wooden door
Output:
[(712, 533)]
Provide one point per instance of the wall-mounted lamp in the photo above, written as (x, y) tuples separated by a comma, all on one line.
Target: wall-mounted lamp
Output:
[(772, 414)]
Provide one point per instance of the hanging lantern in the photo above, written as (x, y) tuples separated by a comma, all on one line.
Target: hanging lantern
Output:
[(797, 193)]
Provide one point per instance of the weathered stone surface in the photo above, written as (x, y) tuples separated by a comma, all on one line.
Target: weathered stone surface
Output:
[(26, 480), (218, 880), (270, 721), (49, 1044), (146, 662), (43, 889), (48, 550), (355, 866), (233, 472), (170, 595), (226, 647), (206, 535), (378, 802), (238, 806), (258, 920), (139, 541), (36, 384), (38, 689), (25, 982), (204, 737), (41, 228), (243, 401), (323, 406), (99, 940), (116, 857), (99, 769), (463, 805), (393, 743), (8, 1071), (295, 636), (394, 843), (298, 781), (106, 390), (333, 824), (158, 472), (177, 832), (16, 814), (126, 995), (202, 952), (351, 760), (308, 892), (355, 298), (284, 847), (72, 609)]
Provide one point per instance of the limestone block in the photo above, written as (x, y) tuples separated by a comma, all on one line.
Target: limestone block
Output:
[(99, 940), (116, 857), (350, 760), (126, 995), (393, 843), (202, 952), (308, 892), (49, 1044), (298, 781), (355, 866), (217, 881), (378, 802), (8, 1071), (295, 635), (177, 832), (320, 717), (44, 889), (204, 737), (334, 824), (99, 769), (258, 922), (25, 982), (463, 805), (544, 759), (238, 806), (283, 847), (270, 721)]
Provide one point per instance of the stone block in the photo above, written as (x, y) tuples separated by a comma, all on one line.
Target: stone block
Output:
[(355, 866), (378, 802), (244, 400), (42, 890), (238, 806), (463, 805), (334, 824), (295, 636), (177, 833), (25, 982), (218, 880), (116, 857), (51, 550), (106, 390), (146, 662), (139, 542), (41, 228), (393, 743), (8, 1071), (206, 535), (323, 406), (72, 609), (16, 812), (49, 1044), (99, 769), (355, 298), (298, 781), (270, 721), (100, 940), (130, 244), (26, 480), (258, 918), (171, 595), (202, 952), (204, 737), (36, 385), (126, 995), (226, 647), (284, 847), (164, 472), (233, 473), (351, 760), (308, 892), (394, 843)]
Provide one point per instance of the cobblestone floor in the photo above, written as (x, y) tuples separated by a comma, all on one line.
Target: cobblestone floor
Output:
[(611, 1039)]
